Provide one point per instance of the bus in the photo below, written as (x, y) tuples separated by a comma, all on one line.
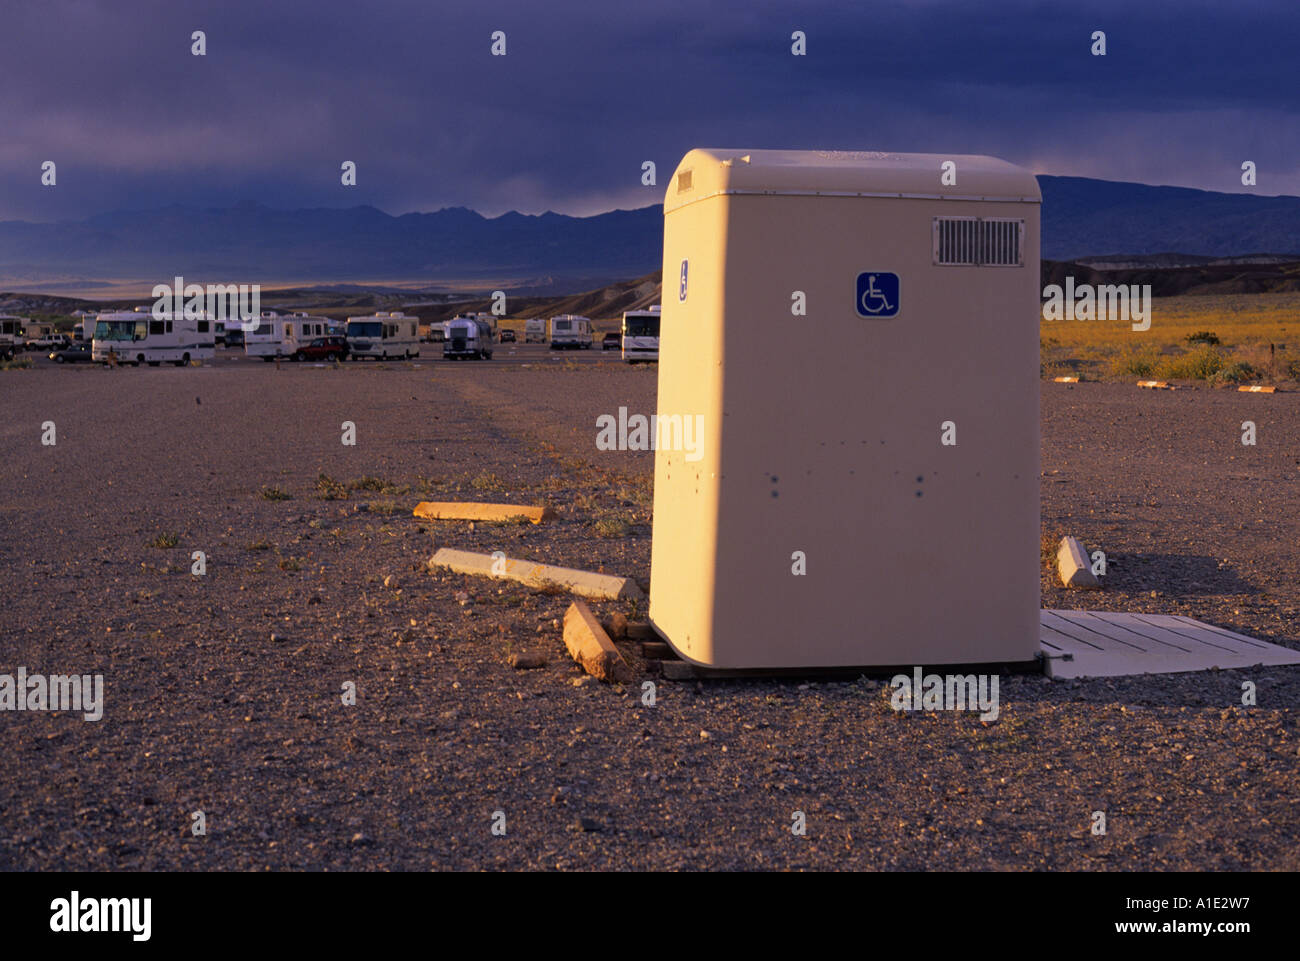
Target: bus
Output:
[(641, 335), (383, 335), (138, 337), (569, 331), (280, 335)]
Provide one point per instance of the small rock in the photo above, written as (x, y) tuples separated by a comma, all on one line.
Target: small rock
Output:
[(390, 582), (616, 626), (526, 662), (590, 825), (361, 840), (583, 681)]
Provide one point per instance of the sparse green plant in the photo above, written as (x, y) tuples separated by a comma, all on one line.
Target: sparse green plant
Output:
[(613, 526), (290, 564), (258, 546), (1134, 363), (368, 483), (487, 481), (1236, 372), (16, 363), (165, 540), (269, 493), (1202, 337), (1201, 364), (328, 489)]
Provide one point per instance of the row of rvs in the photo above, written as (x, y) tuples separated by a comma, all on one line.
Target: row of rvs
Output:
[(139, 337), (567, 331)]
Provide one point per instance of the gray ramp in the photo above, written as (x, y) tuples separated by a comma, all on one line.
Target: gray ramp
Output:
[(1101, 644)]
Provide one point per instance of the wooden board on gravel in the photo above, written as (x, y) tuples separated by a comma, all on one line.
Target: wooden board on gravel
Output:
[(591, 647), (583, 583), (470, 511)]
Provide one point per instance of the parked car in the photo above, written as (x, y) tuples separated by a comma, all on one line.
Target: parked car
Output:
[(72, 354), (507, 336), (323, 348), (48, 342), (612, 341)]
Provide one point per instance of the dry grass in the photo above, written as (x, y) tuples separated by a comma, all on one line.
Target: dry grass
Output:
[(1175, 346)]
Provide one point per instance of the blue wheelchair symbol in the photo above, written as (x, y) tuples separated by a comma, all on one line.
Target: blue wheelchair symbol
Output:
[(681, 288), (878, 294)]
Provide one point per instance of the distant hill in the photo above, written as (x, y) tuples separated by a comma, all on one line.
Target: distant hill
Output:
[(250, 243), (1083, 218), (604, 303), (253, 243)]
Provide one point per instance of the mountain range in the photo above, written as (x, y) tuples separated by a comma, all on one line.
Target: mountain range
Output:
[(250, 243)]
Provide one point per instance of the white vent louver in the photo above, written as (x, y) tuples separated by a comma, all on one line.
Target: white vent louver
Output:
[(979, 242)]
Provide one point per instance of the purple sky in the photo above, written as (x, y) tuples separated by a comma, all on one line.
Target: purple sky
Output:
[(409, 91)]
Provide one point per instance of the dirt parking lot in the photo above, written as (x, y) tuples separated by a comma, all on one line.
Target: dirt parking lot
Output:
[(222, 691)]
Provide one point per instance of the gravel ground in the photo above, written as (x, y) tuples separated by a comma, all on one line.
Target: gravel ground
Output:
[(222, 692)]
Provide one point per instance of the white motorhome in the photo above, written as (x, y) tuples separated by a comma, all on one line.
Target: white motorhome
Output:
[(570, 332), (382, 335), (535, 330), (641, 335), (468, 337), (11, 335), (137, 337), (280, 335)]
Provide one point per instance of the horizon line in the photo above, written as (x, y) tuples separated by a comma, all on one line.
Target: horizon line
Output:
[(549, 212)]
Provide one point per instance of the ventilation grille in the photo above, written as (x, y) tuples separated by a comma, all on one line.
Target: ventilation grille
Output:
[(683, 181), (978, 242)]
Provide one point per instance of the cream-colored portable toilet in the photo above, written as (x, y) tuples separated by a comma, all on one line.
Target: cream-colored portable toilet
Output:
[(847, 462)]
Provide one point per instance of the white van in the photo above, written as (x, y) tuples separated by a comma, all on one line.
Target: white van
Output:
[(468, 337), (137, 337), (569, 331), (382, 335)]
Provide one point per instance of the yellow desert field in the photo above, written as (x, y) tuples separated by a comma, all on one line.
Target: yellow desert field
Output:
[(1243, 326)]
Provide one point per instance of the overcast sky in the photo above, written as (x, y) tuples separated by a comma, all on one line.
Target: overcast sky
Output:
[(408, 89)]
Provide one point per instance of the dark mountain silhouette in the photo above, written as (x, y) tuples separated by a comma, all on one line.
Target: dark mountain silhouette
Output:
[(250, 242)]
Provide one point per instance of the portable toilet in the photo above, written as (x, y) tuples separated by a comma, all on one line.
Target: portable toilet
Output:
[(846, 469)]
